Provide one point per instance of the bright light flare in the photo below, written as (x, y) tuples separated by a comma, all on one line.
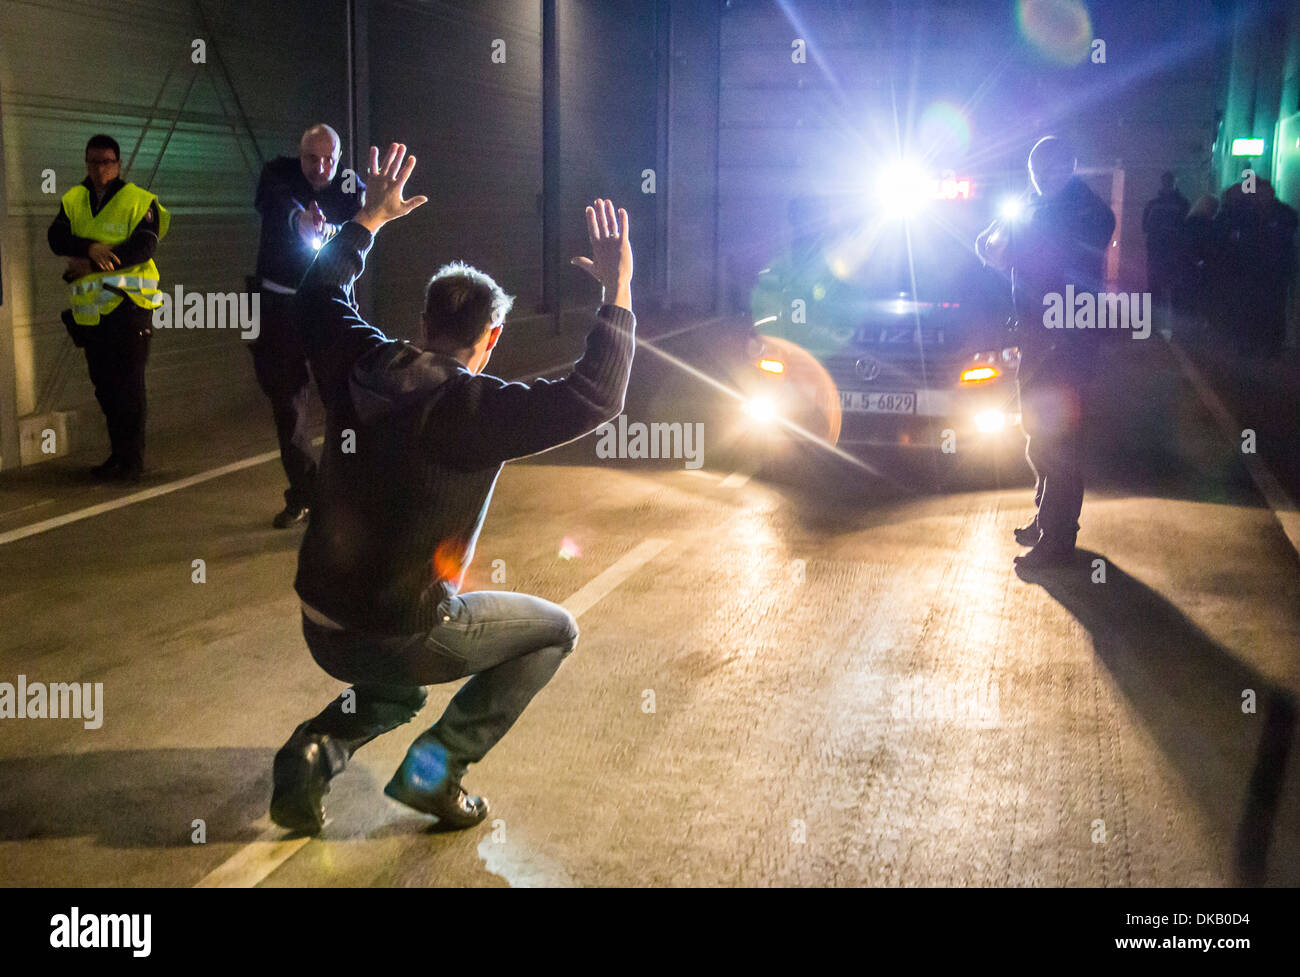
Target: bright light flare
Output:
[(771, 366), (990, 421), (569, 550), (760, 410), (1011, 208), (903, 188)]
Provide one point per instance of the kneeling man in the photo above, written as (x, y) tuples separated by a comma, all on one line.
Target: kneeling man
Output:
[(416, 435)]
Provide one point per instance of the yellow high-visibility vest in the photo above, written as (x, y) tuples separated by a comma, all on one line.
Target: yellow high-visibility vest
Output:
[(100, 292)]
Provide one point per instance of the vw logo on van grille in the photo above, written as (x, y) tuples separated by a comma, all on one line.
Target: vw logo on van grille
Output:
[(867, 368)]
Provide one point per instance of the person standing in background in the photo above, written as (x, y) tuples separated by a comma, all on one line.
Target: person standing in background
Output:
[(1162, 223), (108, 230), (303, 202), (1059, 243)]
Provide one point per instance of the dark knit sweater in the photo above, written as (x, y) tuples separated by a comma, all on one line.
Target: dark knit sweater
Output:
[(394, 520)]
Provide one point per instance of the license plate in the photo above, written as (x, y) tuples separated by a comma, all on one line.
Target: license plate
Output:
[(877, 402)]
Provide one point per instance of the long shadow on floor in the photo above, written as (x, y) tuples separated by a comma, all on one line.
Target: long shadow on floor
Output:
[(1189, 691), (134, 798)]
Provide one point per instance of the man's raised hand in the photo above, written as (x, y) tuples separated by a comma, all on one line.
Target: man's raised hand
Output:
[(611, 250), (384, 191)]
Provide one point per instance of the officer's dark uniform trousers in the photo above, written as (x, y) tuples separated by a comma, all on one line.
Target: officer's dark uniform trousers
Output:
[(281, 367), (117, 349)]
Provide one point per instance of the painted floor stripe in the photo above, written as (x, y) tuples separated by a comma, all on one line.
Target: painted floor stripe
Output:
[(736, 479), (142, 496), (1283, 506), (254, 862), (603, 583), (258, 859), (126, 500)]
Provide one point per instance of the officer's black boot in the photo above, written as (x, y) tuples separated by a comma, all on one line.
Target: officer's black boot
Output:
[(1029, 535)]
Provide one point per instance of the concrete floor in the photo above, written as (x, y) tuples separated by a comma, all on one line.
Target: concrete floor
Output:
[(851, 685)]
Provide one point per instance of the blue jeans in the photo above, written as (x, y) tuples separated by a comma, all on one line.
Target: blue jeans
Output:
[(510, 643)]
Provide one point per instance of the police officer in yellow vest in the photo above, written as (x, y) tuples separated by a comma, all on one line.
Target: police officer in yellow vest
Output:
[(109, 229)]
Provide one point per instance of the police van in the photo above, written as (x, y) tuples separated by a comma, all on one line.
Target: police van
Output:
[(878, 325)]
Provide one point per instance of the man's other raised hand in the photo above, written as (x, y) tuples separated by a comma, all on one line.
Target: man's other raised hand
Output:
[(384, 189), (611, 250)]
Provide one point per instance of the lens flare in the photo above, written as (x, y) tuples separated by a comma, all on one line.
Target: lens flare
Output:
[(569, 550), (449, 559), (1059, 30), (760, 409), (944, 131), (902, 188), (1011, 208)]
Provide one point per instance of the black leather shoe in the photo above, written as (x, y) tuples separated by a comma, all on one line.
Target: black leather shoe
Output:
[(301, 774), (1029, 535), (129, 472), (424, 783), (291, 515), (110, 468), (1046, 554)]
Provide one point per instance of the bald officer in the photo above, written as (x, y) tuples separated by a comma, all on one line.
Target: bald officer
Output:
[(303, 201)]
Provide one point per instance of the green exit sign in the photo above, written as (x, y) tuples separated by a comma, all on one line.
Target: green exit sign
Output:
[(1248, 147)]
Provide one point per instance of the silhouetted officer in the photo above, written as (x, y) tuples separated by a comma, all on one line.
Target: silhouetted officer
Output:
[(1162, 223), (1060, 241), (1258, 234)]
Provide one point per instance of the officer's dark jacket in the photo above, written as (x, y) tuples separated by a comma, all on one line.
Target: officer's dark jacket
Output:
[(1061, 242), (282, 193)]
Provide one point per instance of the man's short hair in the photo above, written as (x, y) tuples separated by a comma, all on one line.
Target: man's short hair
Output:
[(460, 304), (102, 141), (1167, 179)]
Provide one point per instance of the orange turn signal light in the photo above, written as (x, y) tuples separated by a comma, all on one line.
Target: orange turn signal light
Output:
[(979, 374), (771, 366)]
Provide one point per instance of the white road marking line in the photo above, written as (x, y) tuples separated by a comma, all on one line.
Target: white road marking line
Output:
[(1284, 508), (126, 500), (736, 479), (258, 859), (23, 508), (603, 583), (254, 862), (142, 496)]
